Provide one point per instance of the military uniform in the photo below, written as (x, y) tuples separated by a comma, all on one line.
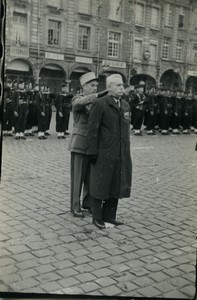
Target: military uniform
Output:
[(152, 108), (176, 112), (8, 113), (138, 111), (31, 115), (165, 111), (194, 113), (20, 110), (48, 110), (186, 113), (41, 113), (62, 104)]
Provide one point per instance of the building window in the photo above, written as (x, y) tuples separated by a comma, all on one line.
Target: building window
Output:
[(153, 52), (168, 14), (166, 48), (181, 18), (84, 7), (179, 50), (84, 38), (137, 50), (19, 31), (140, 14), (114, 41), (115, 10), (155, 17), (195, 53), (54, 33), (54, 3)]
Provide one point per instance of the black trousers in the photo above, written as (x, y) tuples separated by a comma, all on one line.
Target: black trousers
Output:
[(104, 209), (175, 121), (164, 121), (31, 117), (41, 122), (48, 112), (138, 119), (62, 122), (8, 117), (151, 121), (186, 121), (20, 121)]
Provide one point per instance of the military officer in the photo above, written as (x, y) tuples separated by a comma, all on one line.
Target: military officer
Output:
[(80, 162)]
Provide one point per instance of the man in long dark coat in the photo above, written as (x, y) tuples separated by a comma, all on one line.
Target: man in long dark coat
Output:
[(109, 151)]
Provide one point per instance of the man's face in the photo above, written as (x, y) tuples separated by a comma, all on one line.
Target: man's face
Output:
[(141, 90), (90, 87), (116, 87)]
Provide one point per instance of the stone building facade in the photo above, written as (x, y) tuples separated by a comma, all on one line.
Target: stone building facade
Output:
[(59, 40)]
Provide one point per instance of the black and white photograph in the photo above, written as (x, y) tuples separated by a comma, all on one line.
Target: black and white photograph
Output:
[(98, 129)]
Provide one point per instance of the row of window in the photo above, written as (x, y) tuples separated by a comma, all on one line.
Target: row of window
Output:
[(116, 8), (19, 37)]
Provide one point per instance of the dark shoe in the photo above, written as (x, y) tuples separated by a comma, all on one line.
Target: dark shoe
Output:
[(17, 137), (78, 214), (63, 137), (115, 222), (31, 134), (67, 133), (99, 223), (47, 133), (86, 208), (23, 138)]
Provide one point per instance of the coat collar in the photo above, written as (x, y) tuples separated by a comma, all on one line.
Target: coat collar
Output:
[(111, 102)]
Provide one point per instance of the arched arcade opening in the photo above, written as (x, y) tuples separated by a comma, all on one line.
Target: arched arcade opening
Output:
[(191, 84), (53, 75), (19, 69), (149, 80), (171, 80)]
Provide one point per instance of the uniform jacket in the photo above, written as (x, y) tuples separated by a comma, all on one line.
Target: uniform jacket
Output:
[(109, 139), (63, 101), (78, 141)]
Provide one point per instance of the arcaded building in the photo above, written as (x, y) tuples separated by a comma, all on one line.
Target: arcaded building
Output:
[(56, 41)]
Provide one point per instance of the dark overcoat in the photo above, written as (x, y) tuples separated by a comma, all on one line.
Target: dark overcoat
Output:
[(109, 139)]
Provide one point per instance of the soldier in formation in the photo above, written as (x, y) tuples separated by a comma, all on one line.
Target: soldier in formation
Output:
[(170, 111), (8, 108), (63, 105), (20, 110)]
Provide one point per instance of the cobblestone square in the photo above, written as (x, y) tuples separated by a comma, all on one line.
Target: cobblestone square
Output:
[(44, 249)]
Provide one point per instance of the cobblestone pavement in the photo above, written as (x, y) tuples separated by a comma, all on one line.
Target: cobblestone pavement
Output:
[(44, 249)]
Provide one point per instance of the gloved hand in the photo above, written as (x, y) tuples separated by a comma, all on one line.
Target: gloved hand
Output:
[(93, 159), (60, 114), (15, 113), (102, 94), (42, 114)]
